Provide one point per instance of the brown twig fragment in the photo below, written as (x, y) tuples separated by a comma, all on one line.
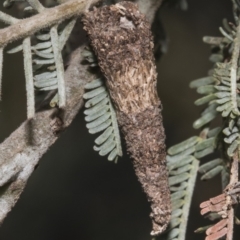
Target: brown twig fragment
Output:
[(122, 40), (47, 18)]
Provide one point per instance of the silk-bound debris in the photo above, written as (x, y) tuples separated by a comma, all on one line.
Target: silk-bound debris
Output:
[(121, 38)]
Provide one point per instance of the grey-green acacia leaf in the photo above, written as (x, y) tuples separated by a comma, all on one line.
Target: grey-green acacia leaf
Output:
[(222, 88), (207, 89), (104, 136), (202, 229), (210, 142), (44, 54), (94, 92), (201, 82), (176, 159), (214, 132), (183, 145), (205, 99), (222, 94), (15, 49), (178, 179), (182, 186), (231, 138), (177, 164), (226, 112), (181, 207), (174, 221), (97, 107), (225, 177), (204, 152), (212, 173), (44, 62), (104, 151), (222, 72), (225, 106), (94, 84), (213, 40), (45, 76), (208, 117), (176, 213), (232, 148), (210, 108), (42, 45), (100, 127), (101, 111), (225, 34), (177, 204), (53, 87), (225, 82), (178, 195), (216, 58), (173, 234), (180, 170), (98, 121), (227, 131), (105, 144), (43, 37), (210, 165), (101, 117), (95, 100), (113, 154), (223, 100), (46, 83)]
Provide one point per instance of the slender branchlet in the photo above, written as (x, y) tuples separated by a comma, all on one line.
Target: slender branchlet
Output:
[(233, 180), (59, 66), (47, 18), (234, 69), (7, 18), (29, 77), (1, 70), (35, 4)]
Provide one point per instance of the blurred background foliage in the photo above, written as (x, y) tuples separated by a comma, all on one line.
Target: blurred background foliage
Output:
[(75, 193)]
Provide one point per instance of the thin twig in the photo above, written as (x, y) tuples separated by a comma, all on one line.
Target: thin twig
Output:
[(7, 18), (28, 70), (35, 4), (1, 69), (49, 17), (233, 180), (59, 66), (234, 67)]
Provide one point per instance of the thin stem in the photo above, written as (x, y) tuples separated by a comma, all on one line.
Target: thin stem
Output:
[(27, 58), (233, 179), (1, 69), (234, 67), (47, 18), (59, 66), (188, 199), (7, 18), (36, 5)]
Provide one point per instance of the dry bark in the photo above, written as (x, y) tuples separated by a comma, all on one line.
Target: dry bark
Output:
[(21, 151), (121, 37)]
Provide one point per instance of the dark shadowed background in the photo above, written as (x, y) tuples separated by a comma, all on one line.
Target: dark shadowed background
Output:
[(75, 194)]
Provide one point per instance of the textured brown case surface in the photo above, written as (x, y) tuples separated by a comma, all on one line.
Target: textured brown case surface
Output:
[(122, 40)]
